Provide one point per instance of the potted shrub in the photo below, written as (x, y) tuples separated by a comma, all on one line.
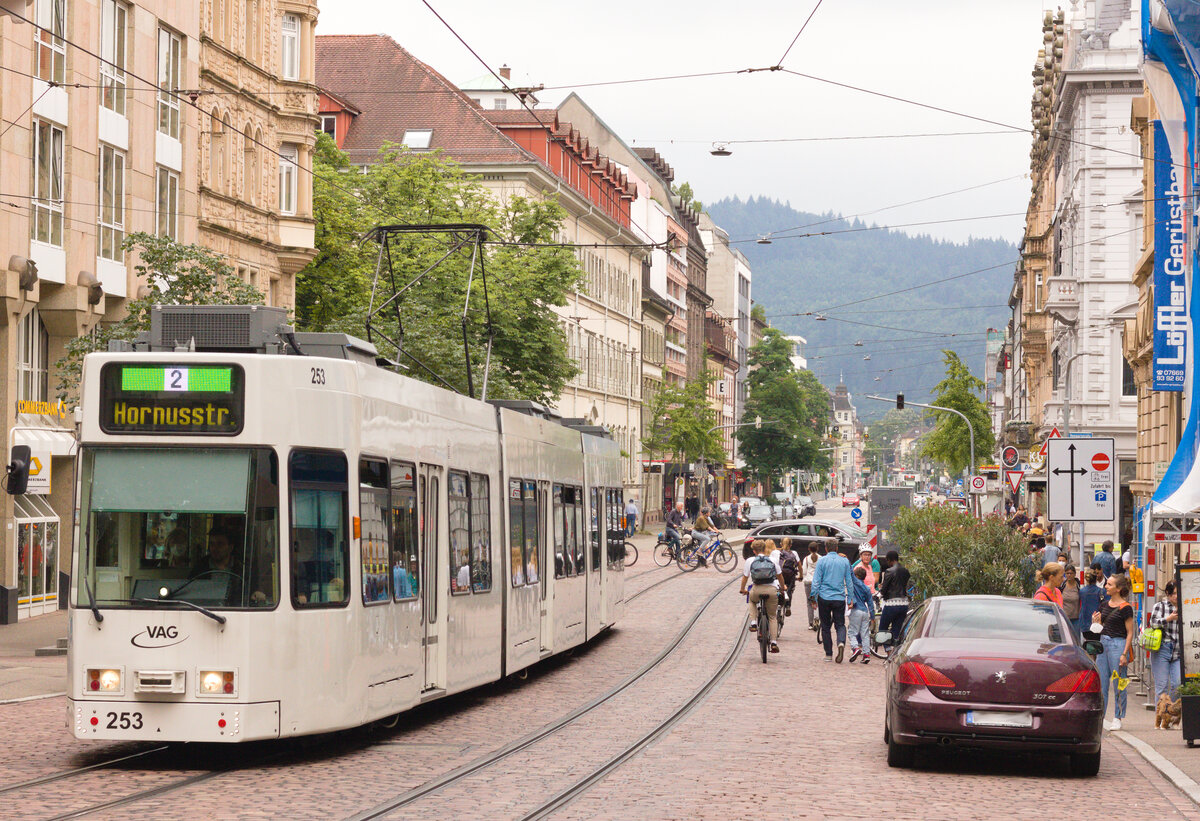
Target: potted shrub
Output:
[(1189, 693)]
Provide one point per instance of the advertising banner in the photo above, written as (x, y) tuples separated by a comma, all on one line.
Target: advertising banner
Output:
[(1172, 328), (1187, 583)]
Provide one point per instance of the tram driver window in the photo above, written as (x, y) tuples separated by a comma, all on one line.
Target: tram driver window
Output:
[(320, 551)]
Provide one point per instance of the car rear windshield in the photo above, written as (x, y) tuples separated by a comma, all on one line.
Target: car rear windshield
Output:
[(997, 619)]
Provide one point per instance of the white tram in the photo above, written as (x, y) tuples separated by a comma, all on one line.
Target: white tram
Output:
[(272, 544)]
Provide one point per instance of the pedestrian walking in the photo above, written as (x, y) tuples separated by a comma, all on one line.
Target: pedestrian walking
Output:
[(808, 567), (831, 587), (858, 622), (631, 517), (1050, 552), (1114, 620), (1164, 662), (894, 591), (868, 561), (789, 565), (1090, 596), (1106, 559), (1070, 593), (1052, 577)]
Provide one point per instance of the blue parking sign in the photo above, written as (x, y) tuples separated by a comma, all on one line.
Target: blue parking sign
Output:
[(856, 514), (1101, 495)]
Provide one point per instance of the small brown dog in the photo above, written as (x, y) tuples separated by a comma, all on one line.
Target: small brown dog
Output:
[(1166, 713)]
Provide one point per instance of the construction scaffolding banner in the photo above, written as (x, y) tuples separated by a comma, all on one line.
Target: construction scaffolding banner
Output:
[(1172, 328)]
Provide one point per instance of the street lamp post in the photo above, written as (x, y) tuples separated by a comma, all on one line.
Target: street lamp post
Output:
[(1066, 431), (703, 489)]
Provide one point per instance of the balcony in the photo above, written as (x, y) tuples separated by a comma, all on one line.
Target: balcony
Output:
[(1062, 298)]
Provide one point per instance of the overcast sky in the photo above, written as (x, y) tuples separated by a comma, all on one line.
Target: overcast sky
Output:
[(971, 57)]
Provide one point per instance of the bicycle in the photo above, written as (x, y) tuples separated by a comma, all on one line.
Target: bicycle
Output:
[(631, 554), (665, 552), (764, 628), (717, 550)]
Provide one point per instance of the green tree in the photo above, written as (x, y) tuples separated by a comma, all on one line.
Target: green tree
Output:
[(175, 274), (949, 442), (794, 408), (527, 272), (950, 553), (681, 422)]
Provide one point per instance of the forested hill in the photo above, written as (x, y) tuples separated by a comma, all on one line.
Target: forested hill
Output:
[(792, 276)]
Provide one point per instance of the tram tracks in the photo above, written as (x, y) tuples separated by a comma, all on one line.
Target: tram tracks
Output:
[(64, 774), (562, 799), (483, 762)]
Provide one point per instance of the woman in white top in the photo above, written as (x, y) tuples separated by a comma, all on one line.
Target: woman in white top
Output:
[(808, 567)]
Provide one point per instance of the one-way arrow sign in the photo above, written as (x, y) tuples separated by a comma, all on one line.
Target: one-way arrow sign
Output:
[(1081, 480)]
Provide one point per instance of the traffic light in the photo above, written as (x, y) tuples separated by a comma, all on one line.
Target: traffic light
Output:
[(17, 479), (899, 401)]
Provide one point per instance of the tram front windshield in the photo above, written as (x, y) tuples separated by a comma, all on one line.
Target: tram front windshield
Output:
[(160, 526)]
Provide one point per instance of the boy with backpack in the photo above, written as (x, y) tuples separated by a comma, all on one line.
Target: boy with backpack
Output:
[(763, 574)]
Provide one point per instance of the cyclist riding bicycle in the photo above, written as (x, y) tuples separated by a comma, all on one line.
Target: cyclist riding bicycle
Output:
[(765, 578), (674, 523), (703, 530)]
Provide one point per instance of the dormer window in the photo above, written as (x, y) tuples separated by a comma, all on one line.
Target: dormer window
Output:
[(416, 138)]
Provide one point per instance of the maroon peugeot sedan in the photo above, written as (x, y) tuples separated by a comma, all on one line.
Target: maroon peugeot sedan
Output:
[(997, 673)]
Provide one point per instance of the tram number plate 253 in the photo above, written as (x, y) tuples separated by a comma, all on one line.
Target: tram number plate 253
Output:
[(318, 376), (124, 721)]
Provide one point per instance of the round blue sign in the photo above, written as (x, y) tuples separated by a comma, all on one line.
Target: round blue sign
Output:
[(856, 514)]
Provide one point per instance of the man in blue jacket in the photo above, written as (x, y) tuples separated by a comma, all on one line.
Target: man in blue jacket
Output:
[(831, 585)]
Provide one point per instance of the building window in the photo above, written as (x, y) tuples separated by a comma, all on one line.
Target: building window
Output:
[(289, 46), (329, 125), (51, 48), (33, 347), (219, 20), (1037, 292), (1128, 384), (216, 152), (500, 104), (170, 51), (47, 223), (113, 18), (112, 204), (167, 203), (417, 137), (289, 157), (249, 167)]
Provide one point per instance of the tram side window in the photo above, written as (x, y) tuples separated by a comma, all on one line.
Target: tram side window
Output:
[(459, 510), (516, 533), (405, 563), (613, 544), (481, 534), (579, 543), (373, 505), (320, 547), (533, 526), (597, 528), (617, 533), (561, 557)]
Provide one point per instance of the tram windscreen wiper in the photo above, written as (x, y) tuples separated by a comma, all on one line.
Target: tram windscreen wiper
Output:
[(217, 617)]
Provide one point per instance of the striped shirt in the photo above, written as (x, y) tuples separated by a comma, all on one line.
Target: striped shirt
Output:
[(1162, 609)]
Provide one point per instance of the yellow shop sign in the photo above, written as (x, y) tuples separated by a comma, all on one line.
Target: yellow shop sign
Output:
[(42, 408)]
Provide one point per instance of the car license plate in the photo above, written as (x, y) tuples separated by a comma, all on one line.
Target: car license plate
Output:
[(993, 718)]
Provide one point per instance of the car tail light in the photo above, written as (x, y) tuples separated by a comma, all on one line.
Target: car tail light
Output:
[(914, 672), (1084, 681)]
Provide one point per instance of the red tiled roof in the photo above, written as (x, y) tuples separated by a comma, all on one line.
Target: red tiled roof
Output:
[(396, 92)]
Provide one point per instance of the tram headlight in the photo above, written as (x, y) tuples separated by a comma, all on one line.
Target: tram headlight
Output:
[(104, 681), (218, 683)]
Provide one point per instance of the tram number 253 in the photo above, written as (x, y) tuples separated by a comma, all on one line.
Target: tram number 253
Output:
[(124, 721), (318, 376)]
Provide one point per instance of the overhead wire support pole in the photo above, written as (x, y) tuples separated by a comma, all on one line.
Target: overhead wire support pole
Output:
[(704, 462), (960, 414)]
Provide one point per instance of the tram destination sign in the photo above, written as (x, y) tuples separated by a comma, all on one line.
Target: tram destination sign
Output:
[(189, 400)]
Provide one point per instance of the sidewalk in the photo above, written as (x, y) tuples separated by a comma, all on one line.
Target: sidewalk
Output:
[(1165, 750), (24, 676)]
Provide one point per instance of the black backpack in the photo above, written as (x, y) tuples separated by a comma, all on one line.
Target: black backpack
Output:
[(789, 566), (762, 570)]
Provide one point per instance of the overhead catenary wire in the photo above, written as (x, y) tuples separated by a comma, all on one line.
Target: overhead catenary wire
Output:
[(807, 20)]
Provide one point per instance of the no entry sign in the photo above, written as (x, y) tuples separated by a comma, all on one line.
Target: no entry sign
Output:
[(1101, 462)]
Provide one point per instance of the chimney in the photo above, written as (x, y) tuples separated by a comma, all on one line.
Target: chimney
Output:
[(505, 73)]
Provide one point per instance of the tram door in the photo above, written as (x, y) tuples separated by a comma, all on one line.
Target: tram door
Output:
[(433, 605), (547, 567)]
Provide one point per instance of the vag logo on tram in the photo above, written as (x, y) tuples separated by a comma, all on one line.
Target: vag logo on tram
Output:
[(153, 637)]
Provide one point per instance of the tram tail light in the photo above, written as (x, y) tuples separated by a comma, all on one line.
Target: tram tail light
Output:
[(100, 680), (218, 683)]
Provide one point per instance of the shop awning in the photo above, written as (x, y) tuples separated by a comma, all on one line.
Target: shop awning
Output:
[(40, 434)]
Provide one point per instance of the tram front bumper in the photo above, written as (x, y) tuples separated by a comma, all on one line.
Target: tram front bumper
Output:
[(173, 720)]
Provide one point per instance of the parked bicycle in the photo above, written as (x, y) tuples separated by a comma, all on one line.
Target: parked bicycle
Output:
[(716, 550)]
